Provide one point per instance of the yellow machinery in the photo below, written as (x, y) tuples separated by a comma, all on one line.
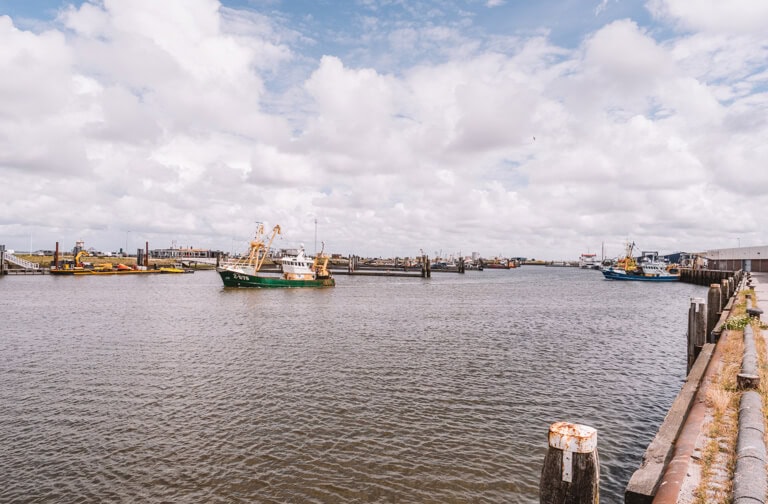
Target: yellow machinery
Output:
[(80, 254)]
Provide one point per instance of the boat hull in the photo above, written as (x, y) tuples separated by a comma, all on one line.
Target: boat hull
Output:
[(237, 279), (613, 275)]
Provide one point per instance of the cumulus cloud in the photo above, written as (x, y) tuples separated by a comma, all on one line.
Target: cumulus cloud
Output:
[(735, 16)]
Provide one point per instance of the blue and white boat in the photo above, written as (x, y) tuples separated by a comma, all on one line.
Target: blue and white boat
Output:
[(648, 269)]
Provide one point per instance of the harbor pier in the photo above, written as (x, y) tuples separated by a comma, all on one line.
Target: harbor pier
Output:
[(14, 265), (695, 446), (422, 269), (704, 276), (711, 444)]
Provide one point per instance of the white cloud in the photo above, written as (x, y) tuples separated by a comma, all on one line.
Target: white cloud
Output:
[(735, 16)]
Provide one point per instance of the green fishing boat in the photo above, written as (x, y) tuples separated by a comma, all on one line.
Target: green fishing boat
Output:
[(298, 270)]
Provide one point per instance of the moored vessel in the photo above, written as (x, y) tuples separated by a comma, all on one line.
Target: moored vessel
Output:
[(298, 270), (650, 268), (588, 261)]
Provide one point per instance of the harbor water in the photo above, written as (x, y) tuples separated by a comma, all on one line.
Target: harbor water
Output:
[(171, 388)]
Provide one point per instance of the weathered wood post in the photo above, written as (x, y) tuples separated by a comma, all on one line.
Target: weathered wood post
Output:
[(713, 310), (697, 327), (724, 293), (571, 472), (2, 259)]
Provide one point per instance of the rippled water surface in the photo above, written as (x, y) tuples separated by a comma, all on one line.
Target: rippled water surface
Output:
[(172, 388)]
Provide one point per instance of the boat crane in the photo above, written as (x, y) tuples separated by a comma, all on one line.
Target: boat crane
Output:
[(258, 251)]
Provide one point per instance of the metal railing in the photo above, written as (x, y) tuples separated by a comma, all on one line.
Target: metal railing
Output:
[(18, 261)]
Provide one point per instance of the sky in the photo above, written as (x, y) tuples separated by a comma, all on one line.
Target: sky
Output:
[(385, 128)]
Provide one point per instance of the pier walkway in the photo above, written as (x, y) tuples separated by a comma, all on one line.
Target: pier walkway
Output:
[(6, 258), (718, 454)]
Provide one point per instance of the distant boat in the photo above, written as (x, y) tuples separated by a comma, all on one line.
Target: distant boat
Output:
[(497, 263), (588, 261), (298, 270), (648, 269)]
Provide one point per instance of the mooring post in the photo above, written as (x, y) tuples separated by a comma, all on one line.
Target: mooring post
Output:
[(724, 293), (2, 259), (571, 472), (697, 327), (713, 310)]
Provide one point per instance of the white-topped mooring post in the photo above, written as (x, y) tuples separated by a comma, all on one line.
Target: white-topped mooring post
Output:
[(571, 472)]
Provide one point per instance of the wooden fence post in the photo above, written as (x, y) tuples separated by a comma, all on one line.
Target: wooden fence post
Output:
[(724, 293), (697, 327), (713, 310), (571, 472)]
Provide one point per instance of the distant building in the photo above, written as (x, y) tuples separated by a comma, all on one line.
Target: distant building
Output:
[(733, 259)]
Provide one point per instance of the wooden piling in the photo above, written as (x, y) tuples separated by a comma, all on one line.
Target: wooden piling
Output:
[(2, 259), (713, 310), (571, 472), (697, 327), (723, 293)]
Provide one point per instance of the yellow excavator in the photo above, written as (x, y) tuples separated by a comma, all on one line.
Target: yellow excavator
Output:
[(80, 254)]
